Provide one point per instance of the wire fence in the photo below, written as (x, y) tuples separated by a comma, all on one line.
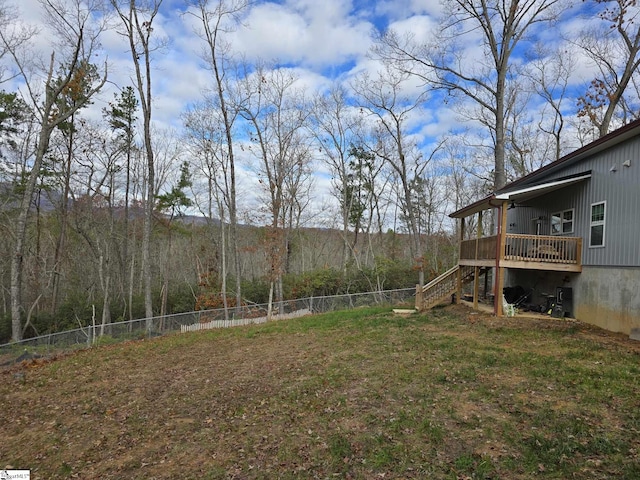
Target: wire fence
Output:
[(138, 329)]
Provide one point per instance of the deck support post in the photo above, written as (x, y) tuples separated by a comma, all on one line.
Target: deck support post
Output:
[(476, 270), (476, 286), (499, 284), (419, 297), (459, 276)]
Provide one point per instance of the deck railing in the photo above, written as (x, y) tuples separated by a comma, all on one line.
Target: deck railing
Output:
[(483, 248), (525, 248), (543, 248), (442, 287)]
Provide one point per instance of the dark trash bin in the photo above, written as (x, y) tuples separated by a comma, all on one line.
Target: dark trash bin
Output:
[(564, 299)]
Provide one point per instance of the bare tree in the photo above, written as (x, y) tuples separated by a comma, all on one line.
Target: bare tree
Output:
[(18, 130), (137, 17), (71, 22), (390, 99), (70, 99), (549, 72), (205, 138), (334, 124), (122, 116), (93, 191), (462, 184), (172, 204), (614, 47), (217, 18), (13, 34), (528, 146), (499, 27), (276, 114)]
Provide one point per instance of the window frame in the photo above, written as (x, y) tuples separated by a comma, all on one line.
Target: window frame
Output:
[(598, 223), (560, 214)]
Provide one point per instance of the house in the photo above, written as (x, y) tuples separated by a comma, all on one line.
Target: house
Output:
[(567, 234)]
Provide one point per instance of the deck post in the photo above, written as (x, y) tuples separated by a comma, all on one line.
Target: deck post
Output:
[(579, 252), (476, 286), (459, 273), (499, 285), (476, 270)]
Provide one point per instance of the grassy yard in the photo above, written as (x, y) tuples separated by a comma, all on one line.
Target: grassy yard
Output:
[(361, 394)]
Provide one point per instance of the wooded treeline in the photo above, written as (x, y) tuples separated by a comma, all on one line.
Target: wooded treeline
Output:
[(113, 217)]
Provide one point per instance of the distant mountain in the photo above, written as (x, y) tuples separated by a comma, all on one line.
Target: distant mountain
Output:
[(48, 201), (197, 220)]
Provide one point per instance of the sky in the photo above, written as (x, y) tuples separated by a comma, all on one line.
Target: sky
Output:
[(321, 40)]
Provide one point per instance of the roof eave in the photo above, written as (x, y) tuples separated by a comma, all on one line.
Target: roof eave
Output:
[(478, 206), (617, 136)]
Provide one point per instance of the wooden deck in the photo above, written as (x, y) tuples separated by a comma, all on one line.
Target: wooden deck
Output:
[(536, 252)]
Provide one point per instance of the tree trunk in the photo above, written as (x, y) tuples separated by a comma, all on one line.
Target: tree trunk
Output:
[(139, 34), (17, 264), (146, 248), (223, 249), (64, 214), (125, 247), (270, 304), (500, 178), (131, 280), (106, 311)]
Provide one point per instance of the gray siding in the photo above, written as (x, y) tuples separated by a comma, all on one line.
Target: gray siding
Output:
[(619, 189)]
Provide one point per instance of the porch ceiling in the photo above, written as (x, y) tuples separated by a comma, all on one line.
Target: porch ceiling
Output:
[(519, 195)]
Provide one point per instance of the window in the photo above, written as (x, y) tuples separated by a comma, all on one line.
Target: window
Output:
[(596, 234), (562, 222)]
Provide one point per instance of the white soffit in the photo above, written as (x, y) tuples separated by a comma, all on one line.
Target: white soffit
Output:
[(537, 190)]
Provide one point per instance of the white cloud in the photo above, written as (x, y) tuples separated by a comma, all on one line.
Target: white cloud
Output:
[(420, 27), (402, 9), (312, 33)]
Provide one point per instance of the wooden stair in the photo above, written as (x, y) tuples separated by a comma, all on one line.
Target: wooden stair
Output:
[(441, 288)]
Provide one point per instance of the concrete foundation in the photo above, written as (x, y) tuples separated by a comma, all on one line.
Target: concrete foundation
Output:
[(609, 297)]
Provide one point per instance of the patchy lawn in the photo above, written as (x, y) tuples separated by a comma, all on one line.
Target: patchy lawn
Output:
[(359, 394)]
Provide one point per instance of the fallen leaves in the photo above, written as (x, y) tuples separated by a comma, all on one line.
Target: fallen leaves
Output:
[(364, 399)]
